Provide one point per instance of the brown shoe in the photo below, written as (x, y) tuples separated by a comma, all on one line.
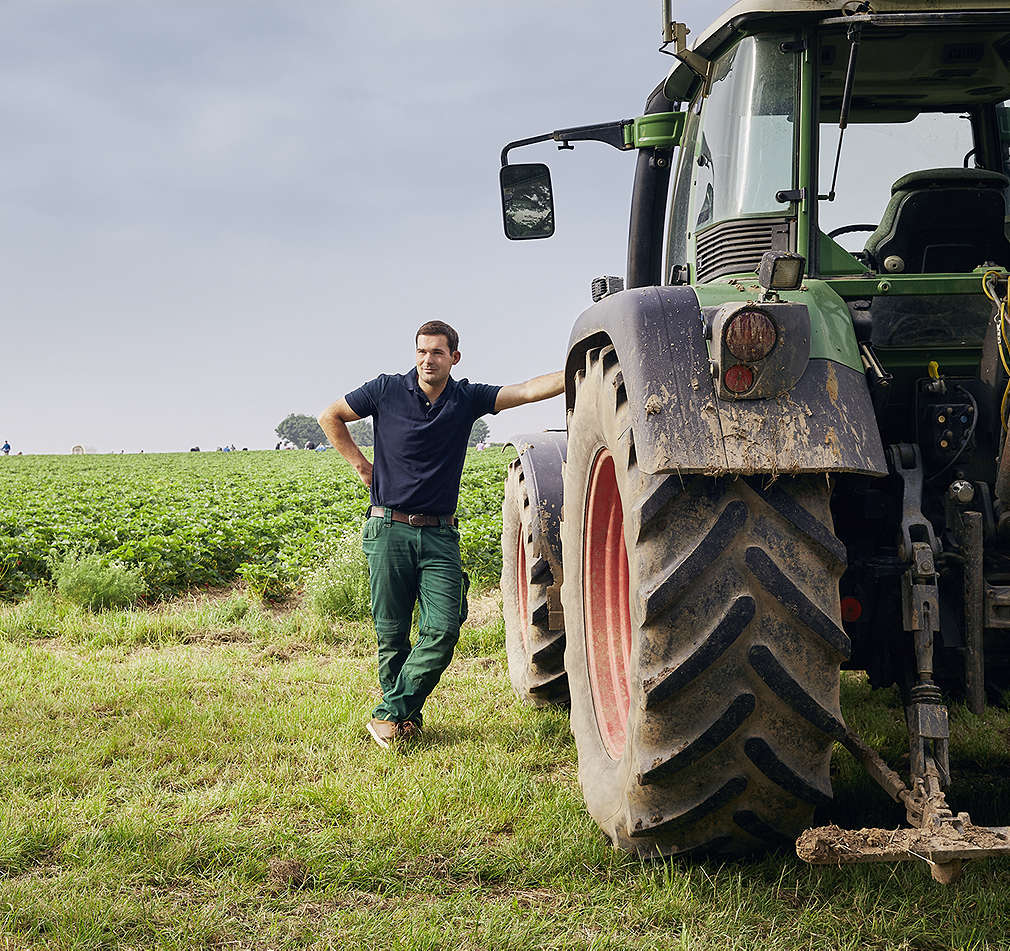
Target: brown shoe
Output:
[(408, 731), (384, 732)]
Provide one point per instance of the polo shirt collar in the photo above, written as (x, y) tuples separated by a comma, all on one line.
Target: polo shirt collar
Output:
[(410, 380)]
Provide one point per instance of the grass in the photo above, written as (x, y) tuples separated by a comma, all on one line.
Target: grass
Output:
[(197, 776)]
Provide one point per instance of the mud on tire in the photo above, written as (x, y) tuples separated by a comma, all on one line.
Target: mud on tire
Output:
[(536, 654), (728, 641)]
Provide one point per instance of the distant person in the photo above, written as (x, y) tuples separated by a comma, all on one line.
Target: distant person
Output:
[(310, 445), (6, 448), (422, 422)]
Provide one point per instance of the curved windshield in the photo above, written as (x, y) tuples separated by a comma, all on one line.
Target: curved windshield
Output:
[(745, 152)]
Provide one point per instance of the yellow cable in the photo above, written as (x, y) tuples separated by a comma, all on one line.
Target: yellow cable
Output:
[(1001, 349), (985, 284), (1002, 355), (1002, 345)]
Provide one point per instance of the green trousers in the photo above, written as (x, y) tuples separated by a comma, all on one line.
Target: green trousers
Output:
[(409, 565)]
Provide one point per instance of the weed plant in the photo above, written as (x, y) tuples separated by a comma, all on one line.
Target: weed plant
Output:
[(339, 588), (95, 582)]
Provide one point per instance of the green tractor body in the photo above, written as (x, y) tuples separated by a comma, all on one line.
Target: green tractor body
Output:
[(786, 435)]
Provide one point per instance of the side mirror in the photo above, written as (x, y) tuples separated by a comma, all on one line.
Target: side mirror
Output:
[(527, 202)]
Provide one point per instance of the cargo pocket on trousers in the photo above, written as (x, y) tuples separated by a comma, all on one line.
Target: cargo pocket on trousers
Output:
[(371, 529), (464, 607)]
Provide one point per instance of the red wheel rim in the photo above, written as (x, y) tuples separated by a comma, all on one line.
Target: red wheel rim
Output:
[(607, 605), (521, 589)]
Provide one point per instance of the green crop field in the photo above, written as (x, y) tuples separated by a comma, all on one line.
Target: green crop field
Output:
[(192, 772), (189, 519)]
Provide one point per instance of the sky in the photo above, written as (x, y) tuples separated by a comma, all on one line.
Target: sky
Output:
[(218, 213)]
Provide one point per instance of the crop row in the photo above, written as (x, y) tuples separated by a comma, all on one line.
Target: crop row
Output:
[(191, 519)]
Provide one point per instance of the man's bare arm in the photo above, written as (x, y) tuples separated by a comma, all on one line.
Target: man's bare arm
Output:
[(334, 420), (532, 391)]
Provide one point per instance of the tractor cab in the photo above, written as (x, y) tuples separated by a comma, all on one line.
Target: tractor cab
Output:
[(873, 144)]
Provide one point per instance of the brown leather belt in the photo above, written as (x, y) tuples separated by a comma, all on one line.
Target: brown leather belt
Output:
[(418, 521)]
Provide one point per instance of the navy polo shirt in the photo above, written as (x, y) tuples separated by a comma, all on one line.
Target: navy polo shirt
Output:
[(420, 447)]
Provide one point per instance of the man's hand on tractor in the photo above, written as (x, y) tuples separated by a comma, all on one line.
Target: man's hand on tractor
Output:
[(532, 391)]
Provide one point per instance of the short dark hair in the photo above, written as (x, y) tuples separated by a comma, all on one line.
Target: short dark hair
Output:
[(437, 328)]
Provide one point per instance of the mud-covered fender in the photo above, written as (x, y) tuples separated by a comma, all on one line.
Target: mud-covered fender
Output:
[(542, 456), (824, 423)]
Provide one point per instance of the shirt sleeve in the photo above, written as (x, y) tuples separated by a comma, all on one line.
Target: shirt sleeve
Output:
[(364, 401), (482, 399)]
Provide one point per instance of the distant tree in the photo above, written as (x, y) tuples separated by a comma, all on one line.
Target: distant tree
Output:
[(479, 433), (361, 432), (298, 430)]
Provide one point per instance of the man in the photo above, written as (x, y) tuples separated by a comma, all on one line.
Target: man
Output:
[(422, 420)]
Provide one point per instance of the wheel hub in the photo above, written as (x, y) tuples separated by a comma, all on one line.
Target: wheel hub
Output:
[(521, 586), (607, 604)]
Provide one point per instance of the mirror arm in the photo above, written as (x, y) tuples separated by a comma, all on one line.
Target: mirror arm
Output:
[(519, 143), (610, 133)]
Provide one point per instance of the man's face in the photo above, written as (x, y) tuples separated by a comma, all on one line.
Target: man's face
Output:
[(434, 359)]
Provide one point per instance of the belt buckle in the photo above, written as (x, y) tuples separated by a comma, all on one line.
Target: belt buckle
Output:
[(416, 521)]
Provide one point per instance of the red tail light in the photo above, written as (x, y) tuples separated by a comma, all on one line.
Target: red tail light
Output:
[(750, 335), (852, 609), (739, 379)]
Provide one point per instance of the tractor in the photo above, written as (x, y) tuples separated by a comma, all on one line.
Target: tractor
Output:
[(785, 451)]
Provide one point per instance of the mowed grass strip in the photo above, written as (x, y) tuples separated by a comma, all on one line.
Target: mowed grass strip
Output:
[(198, 776)]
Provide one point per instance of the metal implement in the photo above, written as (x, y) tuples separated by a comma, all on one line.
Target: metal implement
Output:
[(971, 536), (938, 837), (925, 712)]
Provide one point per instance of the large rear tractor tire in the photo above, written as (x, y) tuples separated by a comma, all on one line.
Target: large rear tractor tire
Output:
[(704, 640), (536, 654)]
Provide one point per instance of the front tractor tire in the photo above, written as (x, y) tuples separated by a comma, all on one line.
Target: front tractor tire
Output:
[(536, 654), (704, 642)]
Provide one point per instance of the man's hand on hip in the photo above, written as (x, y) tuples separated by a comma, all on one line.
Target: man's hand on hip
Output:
[(334, 420)]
